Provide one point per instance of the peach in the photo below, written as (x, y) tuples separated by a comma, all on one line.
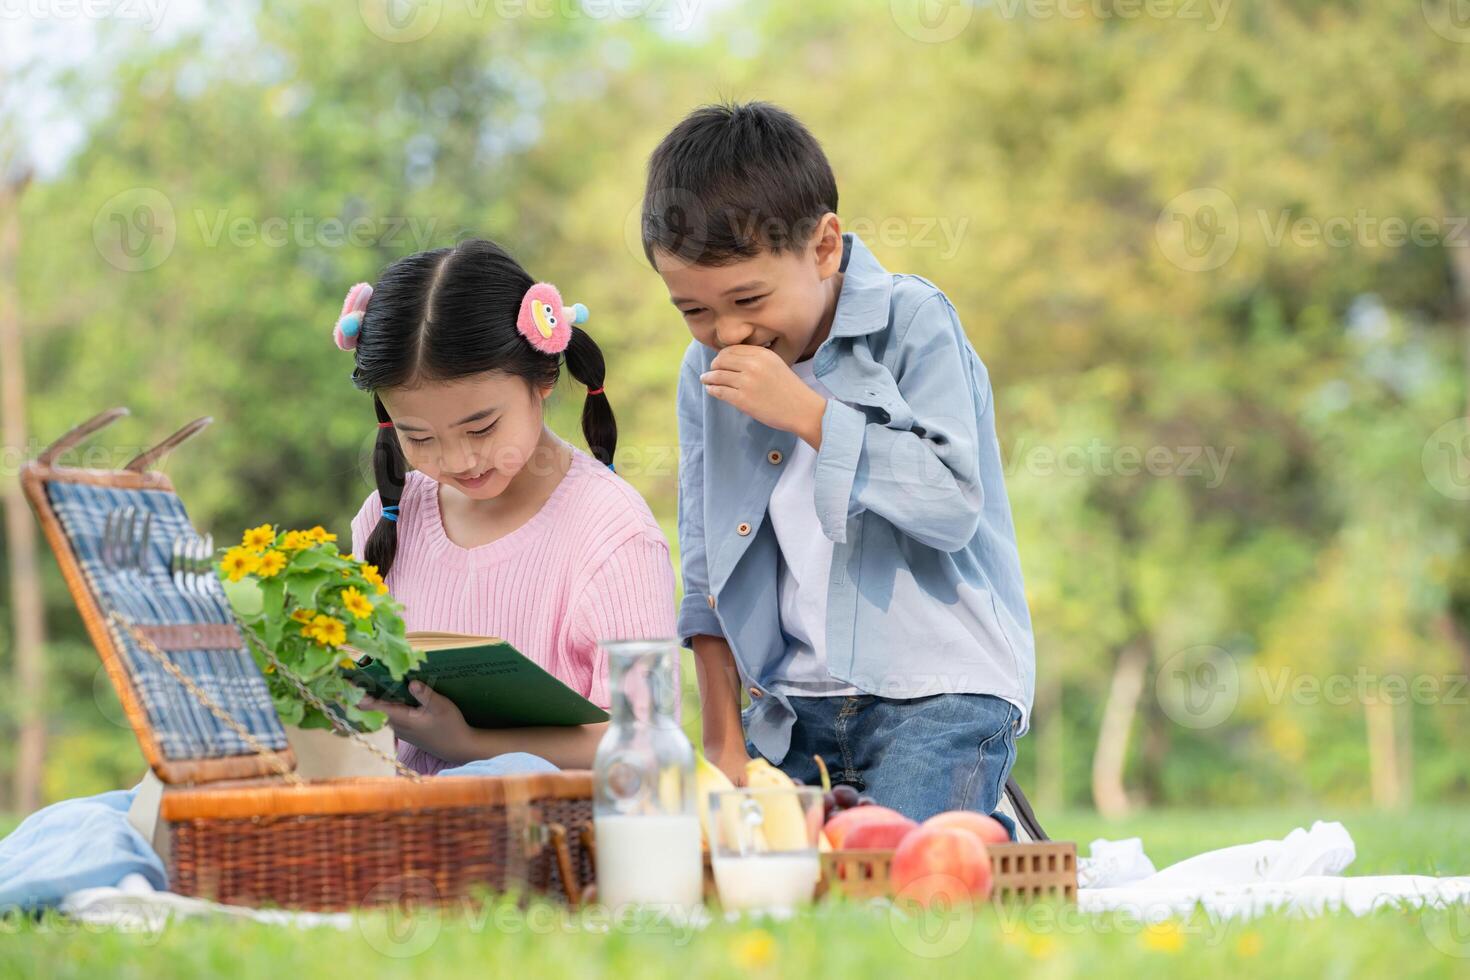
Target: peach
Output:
[(843, 823), (879, 834), (941, 865), (988, 829)]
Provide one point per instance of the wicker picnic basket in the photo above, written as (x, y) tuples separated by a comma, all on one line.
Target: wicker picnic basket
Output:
[(242, 826)]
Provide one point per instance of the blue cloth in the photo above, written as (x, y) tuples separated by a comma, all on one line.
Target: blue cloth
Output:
[(919, 757), (909, 487), (74, 844), (505, 764)]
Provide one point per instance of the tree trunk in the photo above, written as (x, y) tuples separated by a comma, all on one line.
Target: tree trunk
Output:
[(1111, 754), (1460, 277), (20, 529), (1383, 754)]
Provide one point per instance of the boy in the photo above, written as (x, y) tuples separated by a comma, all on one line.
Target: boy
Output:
[(847, 547)]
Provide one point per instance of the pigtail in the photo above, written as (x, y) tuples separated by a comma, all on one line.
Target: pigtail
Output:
[(599, 427), (390, 470)]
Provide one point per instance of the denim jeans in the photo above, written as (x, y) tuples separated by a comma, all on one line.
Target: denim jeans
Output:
[(919, 756)]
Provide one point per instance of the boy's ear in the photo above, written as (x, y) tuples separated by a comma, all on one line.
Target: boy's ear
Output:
[(828, 243)]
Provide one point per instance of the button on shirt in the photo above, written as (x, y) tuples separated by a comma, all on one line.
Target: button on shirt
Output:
[(805, 564)]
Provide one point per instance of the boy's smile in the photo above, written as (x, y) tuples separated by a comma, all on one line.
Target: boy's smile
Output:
[(783, 301)]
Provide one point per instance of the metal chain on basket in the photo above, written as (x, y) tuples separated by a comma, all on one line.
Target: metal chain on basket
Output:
[(311, 698), (271, 756)]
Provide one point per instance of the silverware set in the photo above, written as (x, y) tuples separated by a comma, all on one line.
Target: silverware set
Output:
[(125, 539)]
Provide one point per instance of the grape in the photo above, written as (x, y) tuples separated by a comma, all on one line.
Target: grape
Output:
[(829, 802), (797, 782), (844, 796), (866, 801)]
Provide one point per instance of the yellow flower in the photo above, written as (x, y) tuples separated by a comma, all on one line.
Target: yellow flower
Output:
[(755, 950), (1248, 945), (259, 538), (239, 563), (349, 556), (270, 563), (327, 631), (347, 663), (320, 535), (270, 668), (302, 615), (1163, 937), (1040, 947), (356, 603), (370, 572), (296, 540)]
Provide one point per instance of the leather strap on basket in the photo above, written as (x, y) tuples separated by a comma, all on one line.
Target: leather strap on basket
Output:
[(77, 434), (148, 457), (208, 702), (564, 863)]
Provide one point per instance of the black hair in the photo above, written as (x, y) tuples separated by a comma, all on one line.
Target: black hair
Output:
[(733, 179), (451, 313)]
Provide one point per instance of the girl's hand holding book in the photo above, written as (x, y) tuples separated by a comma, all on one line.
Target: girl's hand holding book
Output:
[(437, 726)]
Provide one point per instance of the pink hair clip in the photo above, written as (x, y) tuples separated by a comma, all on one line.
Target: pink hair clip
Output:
[(349, 321), (545, 321)]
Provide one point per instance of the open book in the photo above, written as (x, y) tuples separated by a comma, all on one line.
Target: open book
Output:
[(493, 684)]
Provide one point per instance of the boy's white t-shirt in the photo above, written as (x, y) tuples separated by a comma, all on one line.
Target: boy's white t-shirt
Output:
[(806, 563)]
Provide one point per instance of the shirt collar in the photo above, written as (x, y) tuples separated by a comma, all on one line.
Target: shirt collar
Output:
[(862, 306)]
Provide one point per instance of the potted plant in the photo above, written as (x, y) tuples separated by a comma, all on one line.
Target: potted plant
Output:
[(317, 610)]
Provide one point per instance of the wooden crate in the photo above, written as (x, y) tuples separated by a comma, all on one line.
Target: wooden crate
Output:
[(1022, 872)]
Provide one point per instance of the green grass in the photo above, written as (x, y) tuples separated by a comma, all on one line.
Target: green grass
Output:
[(839, 939)]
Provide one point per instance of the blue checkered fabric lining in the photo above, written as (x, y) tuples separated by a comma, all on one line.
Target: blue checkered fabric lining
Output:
[(145, 596)]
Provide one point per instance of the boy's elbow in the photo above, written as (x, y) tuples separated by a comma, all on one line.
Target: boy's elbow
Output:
[(955, 525)]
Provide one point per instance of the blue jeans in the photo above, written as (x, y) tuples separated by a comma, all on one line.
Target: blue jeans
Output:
[(919, 756)]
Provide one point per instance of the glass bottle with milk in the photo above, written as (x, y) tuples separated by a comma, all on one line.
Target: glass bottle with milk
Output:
[(643, 802)]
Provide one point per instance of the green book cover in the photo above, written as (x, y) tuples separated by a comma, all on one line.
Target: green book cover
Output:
[(491, 682)]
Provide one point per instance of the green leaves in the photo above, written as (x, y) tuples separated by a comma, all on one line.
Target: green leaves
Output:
[(301, 614)]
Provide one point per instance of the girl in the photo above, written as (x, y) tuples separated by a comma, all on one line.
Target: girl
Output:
[(484, 521)]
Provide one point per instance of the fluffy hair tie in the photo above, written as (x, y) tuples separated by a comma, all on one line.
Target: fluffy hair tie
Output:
[(546, 321), (349, 321)]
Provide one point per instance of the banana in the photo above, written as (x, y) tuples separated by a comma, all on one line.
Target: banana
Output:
[(784, 824), (708, 778)]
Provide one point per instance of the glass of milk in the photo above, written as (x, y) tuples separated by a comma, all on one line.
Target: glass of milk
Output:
[(643, 807), (764, 847)]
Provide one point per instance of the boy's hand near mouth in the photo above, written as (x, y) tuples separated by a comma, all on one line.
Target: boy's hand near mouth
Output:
[(757, 382)]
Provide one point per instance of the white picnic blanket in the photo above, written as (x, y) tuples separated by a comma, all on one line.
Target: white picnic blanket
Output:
[(1302, 873)]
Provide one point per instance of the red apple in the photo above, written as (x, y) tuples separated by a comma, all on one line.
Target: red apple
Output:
[(988, 829), (843, 823), (941, 865), (879, 834)]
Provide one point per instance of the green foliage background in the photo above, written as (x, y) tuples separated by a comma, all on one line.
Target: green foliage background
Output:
[(1030, 165)]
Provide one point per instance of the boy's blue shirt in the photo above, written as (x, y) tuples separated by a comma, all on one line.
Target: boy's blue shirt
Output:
[(909, 487)]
